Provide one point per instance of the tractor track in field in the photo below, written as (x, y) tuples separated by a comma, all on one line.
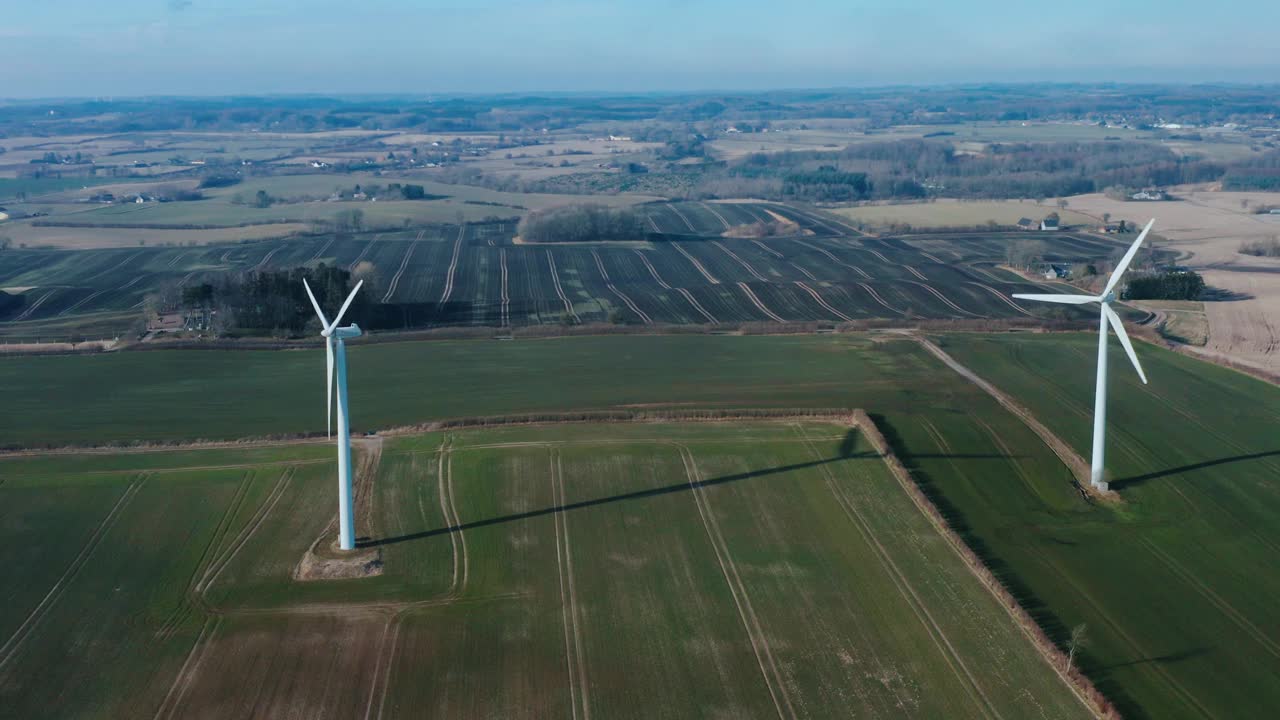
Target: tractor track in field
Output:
[(883, 259), (381, 680), (773, 679), (679, 214), (1003, 297), (652, 224), (555, 280), (936, 293), (175, 260), (569, 610), (652, 270), (697, 265), (187, 278), (363, 253), (190, 666), (266, 259), (697, 306), (756, 301), (221, 562), (320, 252), (34, 306), (621, 296), (453, 265), (208, 557), (818, 298), (876, 296), (455, 538), (835, 259), (506, 298), (719, 217), (395, 280), (805, 272), (915, 272), (768, 249), (1076, 464), (11, 646), (741, 262), (1236, 617), (86, 300), (932, 257), (905, 589)]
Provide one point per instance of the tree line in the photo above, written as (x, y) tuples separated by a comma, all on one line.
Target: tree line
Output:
[(581, 223)]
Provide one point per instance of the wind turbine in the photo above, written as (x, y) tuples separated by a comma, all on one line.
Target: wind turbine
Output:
[(335, 348), (1107, 317)]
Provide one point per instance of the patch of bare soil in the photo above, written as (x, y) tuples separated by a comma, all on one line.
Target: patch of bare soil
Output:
[(330, 563)]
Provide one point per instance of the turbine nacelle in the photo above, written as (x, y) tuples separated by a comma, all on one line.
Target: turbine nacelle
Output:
[(327, 330)]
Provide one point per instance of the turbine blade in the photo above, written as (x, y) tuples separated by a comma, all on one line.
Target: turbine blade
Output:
[(1128, 258), (1124, 340), (1055, 298), (324, 322), (328, 386), (346, 305)]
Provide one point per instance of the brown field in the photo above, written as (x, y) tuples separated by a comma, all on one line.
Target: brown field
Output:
[(1208, 227), (91, 238), (957, 213)]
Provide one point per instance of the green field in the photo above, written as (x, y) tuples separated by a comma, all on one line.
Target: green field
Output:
[(746, 569), (1173, 583), (183, 395), (1177, 583)]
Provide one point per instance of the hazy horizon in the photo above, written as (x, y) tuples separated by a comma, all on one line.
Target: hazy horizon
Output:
[(130, 48)]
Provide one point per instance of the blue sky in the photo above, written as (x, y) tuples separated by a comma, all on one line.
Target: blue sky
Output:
[(207, 47)]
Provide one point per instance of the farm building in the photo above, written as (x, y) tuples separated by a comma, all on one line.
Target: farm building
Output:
[(1050, 223), (1026, 223), (1147, 195)]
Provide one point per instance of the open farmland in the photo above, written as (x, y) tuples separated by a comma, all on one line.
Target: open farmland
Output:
[(955, 213), (685, 272), (744, 569), (1176, 582), (1192, 454)]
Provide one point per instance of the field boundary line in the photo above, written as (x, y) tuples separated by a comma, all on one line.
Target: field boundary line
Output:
[(908, 593), (697, 265), (1081, 686), (1076, 464), (823, 303), (10, 648), (741, 262), (759, 643), (453, 265), (756, 301)]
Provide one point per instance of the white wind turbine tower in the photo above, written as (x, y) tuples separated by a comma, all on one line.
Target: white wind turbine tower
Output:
[(1107, 316), (335, 348)]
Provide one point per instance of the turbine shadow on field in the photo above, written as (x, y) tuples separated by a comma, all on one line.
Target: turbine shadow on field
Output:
[(845, 454), (1172, 657), (1139, 479)]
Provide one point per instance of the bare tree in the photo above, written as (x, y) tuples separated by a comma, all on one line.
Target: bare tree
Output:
[(1079, 638), (1106, 217), (1062, 203)]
